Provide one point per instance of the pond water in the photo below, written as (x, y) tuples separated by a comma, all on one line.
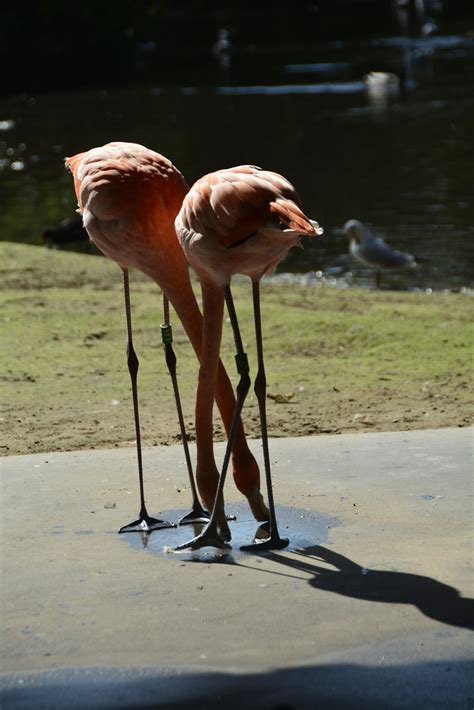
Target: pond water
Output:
[(400, 162)]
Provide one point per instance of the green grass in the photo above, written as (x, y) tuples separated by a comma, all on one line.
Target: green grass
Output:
[(337, 359)]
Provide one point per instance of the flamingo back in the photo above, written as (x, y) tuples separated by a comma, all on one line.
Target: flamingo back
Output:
[(241, 220), (129, 197)]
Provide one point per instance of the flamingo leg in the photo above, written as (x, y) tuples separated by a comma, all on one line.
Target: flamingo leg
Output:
[(274, 541), (144, 523), (210, 535), (197, 513)]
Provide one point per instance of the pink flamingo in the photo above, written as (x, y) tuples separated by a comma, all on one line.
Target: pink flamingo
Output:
[(129, 197), (241, 220)]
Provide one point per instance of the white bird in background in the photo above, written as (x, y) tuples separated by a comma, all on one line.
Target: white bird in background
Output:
[(382, 85), (373, 251)]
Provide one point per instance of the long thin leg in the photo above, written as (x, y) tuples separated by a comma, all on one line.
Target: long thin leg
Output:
[(144, 523), (274, 542), (210, 536), (197, 514)]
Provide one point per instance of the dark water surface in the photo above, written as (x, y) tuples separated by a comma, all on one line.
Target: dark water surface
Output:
[(403, 164)]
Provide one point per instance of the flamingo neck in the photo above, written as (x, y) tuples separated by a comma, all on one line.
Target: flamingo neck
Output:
[(213, 311)]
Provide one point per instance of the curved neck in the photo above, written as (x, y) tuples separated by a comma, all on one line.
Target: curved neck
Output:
[(175, 282), (213, 312)]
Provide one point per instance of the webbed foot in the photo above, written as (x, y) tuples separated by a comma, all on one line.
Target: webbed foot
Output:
[(198, 514), (145, 523), (209, 537), (265, 541)]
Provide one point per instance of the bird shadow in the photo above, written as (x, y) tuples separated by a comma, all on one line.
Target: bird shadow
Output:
[(434, 599), (333, 572)]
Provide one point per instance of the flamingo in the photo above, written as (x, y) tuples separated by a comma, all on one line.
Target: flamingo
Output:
[(129, 196), (240, 220)]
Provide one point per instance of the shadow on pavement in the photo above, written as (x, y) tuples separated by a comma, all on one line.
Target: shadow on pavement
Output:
[(434, 599), (342, 686)]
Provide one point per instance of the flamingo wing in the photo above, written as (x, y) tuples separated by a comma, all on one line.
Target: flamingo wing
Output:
[(240, 220), (129, 196), (231, 204)]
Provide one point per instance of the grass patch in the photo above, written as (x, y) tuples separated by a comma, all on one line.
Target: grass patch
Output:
[(337, 360)]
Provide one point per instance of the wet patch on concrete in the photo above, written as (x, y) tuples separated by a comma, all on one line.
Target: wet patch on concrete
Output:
[(303, 528)]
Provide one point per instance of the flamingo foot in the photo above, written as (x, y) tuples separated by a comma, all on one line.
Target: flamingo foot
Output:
[(146, 524), (263, 541), (198, 514), (209, 537)]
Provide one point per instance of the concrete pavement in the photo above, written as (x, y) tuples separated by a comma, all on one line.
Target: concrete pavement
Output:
[(369, 607)]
